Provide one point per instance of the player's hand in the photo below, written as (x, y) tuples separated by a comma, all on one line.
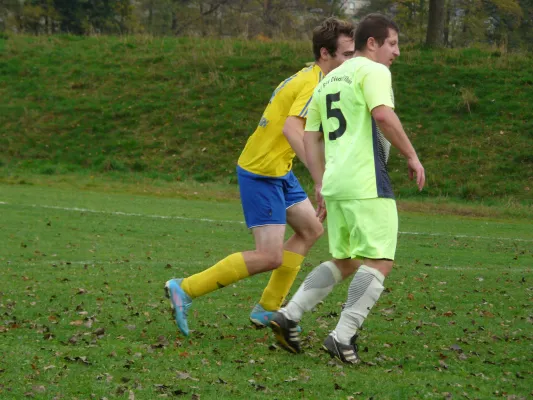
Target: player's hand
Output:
[(321, 211), (416, 169)]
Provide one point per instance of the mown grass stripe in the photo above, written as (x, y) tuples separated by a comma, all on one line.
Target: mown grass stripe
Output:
[(63, 263), (121, 213)]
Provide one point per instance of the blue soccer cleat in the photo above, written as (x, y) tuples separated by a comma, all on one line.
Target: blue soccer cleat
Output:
[(260, 317), (180, 302)]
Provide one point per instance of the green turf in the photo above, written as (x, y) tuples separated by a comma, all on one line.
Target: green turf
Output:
[(83, 313), (183, 108)]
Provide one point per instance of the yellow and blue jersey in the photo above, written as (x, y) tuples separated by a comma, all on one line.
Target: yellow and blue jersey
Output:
[(267, 151)]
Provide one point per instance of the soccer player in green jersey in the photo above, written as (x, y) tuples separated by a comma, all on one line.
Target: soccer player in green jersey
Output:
[(350, 127)]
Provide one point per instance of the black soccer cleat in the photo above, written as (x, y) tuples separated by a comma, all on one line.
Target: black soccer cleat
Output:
[(347, 353), (287, 332)]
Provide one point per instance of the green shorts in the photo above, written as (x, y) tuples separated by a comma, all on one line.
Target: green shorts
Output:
[(362, 228)]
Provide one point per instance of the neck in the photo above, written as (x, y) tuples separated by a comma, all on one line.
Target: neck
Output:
[(323, 66), (366, 54)]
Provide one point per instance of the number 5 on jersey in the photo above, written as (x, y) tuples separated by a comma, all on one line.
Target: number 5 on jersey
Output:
[(335, 113)]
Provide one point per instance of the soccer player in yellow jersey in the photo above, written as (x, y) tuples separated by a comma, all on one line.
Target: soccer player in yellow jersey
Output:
[(271, 195), (350, 127)]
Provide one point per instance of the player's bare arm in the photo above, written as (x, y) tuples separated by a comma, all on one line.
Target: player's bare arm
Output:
[(390, 125), (314, 149), (293, 130), (316, 163)]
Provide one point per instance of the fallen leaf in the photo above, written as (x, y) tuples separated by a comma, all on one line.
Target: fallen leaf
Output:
[(73, 339), (162, 341), (82, 359), (39, 389), (448, 313), (100, 332), (161, 388), (185, 375), (388, 311), (456, 347)]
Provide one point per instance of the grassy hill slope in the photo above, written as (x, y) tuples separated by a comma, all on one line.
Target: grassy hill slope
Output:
[(183, 108)]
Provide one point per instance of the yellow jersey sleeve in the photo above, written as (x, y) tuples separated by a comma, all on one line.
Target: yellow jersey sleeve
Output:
[(300, 105), (267, 151), (313, 121)]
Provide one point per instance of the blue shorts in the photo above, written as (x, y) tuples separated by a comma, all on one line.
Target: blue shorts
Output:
[(265, 199)]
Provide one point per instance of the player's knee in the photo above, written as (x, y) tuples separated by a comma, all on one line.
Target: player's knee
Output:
[(314, 233), (272, 260), (319, 231)]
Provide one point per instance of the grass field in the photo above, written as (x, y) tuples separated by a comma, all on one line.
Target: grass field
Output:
[(183, 108), (83, 312)]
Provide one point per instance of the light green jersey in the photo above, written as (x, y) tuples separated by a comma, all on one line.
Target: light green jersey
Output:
[(356, 151)]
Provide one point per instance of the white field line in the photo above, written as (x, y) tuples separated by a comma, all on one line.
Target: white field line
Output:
[(51, 261), (465, 236), (175, 263), (120, 213)]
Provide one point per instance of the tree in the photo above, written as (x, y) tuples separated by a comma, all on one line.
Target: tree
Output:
[(435, 29), (9, 12), (505, 20), (410, 15), (525, 30)]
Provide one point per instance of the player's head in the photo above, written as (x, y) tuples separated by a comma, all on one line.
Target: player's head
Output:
[(376, 36), (333, 43)]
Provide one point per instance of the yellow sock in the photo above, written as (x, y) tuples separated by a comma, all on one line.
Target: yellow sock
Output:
[(281, 281), (227, 271)]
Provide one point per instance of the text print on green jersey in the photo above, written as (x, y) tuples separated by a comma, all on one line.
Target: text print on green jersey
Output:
[(335, 113)]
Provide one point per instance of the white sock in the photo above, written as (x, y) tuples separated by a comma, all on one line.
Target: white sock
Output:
[(363, 293), (316, 286)]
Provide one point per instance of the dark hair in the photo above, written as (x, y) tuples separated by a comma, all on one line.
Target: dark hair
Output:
[(328, 32), (376, 26)]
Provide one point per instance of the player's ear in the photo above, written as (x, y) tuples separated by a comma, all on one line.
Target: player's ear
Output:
[(371, 43), (324, 54)]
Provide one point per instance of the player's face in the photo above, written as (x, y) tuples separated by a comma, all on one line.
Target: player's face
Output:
[(387, 53), (345, 50)]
